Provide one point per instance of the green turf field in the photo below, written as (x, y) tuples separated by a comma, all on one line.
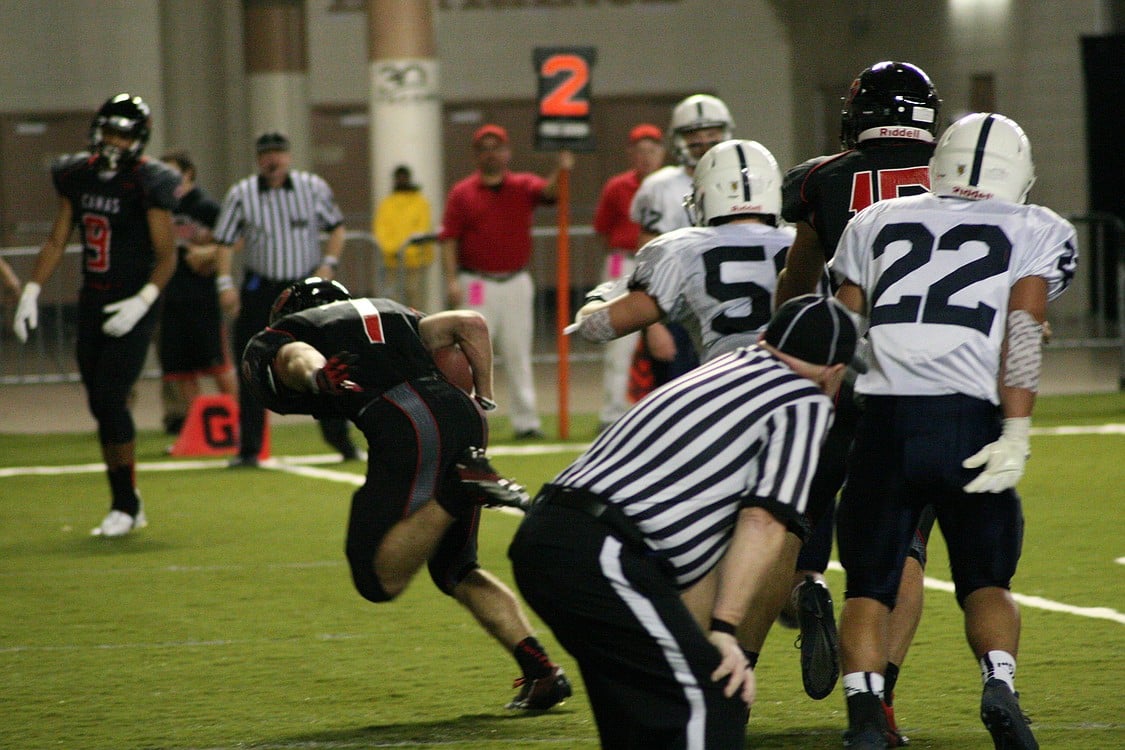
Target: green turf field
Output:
[(231, 621)]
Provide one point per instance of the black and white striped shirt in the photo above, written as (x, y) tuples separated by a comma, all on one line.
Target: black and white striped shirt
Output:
[(682, 461), (281, 226)]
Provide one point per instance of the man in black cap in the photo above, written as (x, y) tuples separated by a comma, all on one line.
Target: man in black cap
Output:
[(645, 553), (276, 217)]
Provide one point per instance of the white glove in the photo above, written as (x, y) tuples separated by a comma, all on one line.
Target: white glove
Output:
[(125, 313), (27, 311), (1003, 460), (586, 309)]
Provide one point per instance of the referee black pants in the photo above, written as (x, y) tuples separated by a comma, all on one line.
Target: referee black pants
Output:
[(644, 660), (256, 299)]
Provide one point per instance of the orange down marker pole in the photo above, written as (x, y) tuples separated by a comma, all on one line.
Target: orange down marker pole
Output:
[(562, 305)]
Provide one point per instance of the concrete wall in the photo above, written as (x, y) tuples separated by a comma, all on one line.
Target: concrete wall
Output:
[(780, 64)]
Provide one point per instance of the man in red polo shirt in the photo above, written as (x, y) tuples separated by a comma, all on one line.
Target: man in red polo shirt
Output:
[(611, 220), (486, 249)]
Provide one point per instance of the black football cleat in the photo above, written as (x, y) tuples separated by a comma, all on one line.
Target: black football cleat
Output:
[(539, 695), (484, 484), (895, 738), (819, 641), (1006, 722)]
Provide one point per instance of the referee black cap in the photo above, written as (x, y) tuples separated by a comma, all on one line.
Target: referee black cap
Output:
[(816, 329), (272, 141)]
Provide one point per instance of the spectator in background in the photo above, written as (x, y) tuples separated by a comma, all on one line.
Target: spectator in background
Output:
[(486, 249), (121, 203), (276, 216), (192, 341), (620, 233), (402, 215)]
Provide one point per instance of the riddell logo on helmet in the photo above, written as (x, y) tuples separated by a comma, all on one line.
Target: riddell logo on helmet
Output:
[(901, 133), (971, 193)]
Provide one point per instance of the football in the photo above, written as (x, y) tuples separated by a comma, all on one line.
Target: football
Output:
[(454, 365)]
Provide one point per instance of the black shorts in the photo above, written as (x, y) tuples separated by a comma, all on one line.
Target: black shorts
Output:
[(192, 335), (645, 661), (907, 455), (415, 432)]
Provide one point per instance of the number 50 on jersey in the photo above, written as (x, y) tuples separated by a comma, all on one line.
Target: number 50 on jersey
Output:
[(563, 119)]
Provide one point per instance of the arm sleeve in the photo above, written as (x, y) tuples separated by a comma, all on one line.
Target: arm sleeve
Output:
[(228, 225), (257, 375), (159, 183), (788, 461), (1055, 257), (327, 212)]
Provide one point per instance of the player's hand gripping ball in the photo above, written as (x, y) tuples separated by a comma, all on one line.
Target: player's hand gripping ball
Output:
[(454, 365)]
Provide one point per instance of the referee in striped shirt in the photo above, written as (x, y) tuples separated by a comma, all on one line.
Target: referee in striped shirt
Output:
[(276, 218), (645, 554)]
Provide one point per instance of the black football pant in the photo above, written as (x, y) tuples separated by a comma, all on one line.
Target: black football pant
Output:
[(645, 661)]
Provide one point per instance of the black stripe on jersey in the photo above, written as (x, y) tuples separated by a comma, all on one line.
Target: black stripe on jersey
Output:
[(699, 438), (978, 155), (281, 226)]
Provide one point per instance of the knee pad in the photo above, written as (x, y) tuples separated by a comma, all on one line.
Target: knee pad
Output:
[(817, 549), (922, 536), (115, 423), (447, 580), (365, 580)]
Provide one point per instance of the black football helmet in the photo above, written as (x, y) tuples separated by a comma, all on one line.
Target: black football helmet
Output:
[(889, 94), (311, 292), (125, 114)]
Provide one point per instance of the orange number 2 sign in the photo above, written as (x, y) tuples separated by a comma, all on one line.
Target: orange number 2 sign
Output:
[(570, 74)]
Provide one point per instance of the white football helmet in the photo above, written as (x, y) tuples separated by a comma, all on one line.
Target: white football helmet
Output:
[(735, 178), (696, 112), (983, 155)]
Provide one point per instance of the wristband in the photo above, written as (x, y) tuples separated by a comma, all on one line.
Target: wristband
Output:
[(722, 626), (330, 260), (224, 282), (486, 404)]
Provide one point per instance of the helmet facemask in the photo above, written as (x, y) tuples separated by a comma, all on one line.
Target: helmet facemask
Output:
[(695, 113), (128, 117)]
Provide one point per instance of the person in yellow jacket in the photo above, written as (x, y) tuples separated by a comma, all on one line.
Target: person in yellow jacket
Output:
[(402, 215)]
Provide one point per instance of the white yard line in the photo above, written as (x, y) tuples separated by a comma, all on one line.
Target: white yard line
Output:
[(308, 466)]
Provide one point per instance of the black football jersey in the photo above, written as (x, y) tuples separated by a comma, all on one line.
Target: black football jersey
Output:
[(829, 190), (383, 333), (110, 213), (195, 212)]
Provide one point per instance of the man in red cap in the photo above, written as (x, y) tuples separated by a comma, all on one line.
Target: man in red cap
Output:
[(611, 220), (486, 250)]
